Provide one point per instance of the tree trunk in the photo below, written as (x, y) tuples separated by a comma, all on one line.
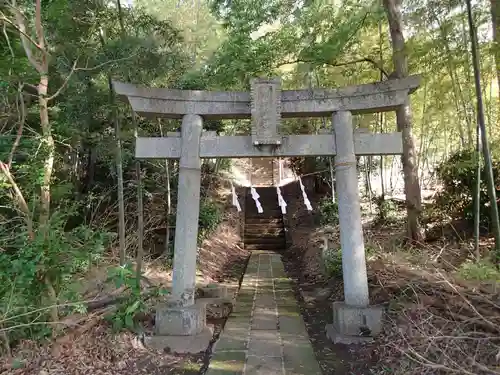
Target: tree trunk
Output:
[(140, 225), (332, 182), (495, 21), (39, 62), (460, 102), (484, 137), (119, 163), (381, 117), (368, 181), (48, 145), (403, 115), (169, 201), (469, 84)]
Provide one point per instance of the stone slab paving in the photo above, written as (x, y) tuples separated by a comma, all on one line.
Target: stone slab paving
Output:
[(265, 333)]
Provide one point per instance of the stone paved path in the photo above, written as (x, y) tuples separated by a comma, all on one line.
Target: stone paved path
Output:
[(265, 333)]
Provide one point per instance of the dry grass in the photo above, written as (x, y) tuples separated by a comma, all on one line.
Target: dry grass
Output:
[(437, 322), (96, 351), (87, 345)]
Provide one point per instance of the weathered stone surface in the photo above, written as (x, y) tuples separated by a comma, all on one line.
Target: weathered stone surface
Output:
[(292, 325), (357, 321), (264, 343), (298, 356), (264, 366), (338, 338), (215, 291), (182, 344), (217, 307), (227, 363), (373, 97), (291, 146), (180, 320), (264, 318), (266, 111), (265, 300), (234, 337), (188, 210), (351, 231), (242, 310)]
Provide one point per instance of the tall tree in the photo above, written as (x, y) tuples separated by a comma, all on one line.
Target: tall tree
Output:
[(490, 179), (495, 21), (403, 118), (38, 55)]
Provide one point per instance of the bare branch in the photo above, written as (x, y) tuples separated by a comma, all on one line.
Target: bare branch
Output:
[(39, 29), (16, 27), (75, 69), (341, 63), (20, 199), (368, 60), (106, 63), (7, 40), (65, 83), (25, 40), (22, 119)]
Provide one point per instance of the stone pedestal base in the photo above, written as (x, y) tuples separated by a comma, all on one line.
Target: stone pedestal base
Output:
[(215, 291), (181, 344), (180, 321), (354, 324)]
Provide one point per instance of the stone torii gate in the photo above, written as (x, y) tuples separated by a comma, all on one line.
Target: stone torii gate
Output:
[(266, 104)]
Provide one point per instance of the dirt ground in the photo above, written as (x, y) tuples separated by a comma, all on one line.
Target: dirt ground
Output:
[(315, 292), (91, 346), (436, 322)]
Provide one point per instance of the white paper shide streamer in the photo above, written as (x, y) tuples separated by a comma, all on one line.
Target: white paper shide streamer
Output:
[(304, 195), (236, 203), (281, 201), (256, 197)]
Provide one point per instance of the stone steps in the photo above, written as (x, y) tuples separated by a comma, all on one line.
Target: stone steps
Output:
[(263, 221), (252, 238), (264, 231), (266, 213), (276, 240)]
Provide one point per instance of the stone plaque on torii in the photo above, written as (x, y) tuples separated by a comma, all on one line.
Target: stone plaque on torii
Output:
[(266, 104)]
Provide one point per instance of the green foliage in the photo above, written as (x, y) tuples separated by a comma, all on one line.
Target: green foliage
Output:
[(332, 260), (482, 270), (328, 211), (123, 317), (458, 177), (134, 303), (387, 210), (210, 218), (26, 265)]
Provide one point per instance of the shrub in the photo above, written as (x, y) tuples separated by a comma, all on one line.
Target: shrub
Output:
[(210, 218), (328, 211), (387, 210), (458, 177), (332, 260), (135, 303), (483, 270), (33, 269)]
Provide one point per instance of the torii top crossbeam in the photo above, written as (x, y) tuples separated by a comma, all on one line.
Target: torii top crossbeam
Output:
[(367, 98), (266, 104)]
